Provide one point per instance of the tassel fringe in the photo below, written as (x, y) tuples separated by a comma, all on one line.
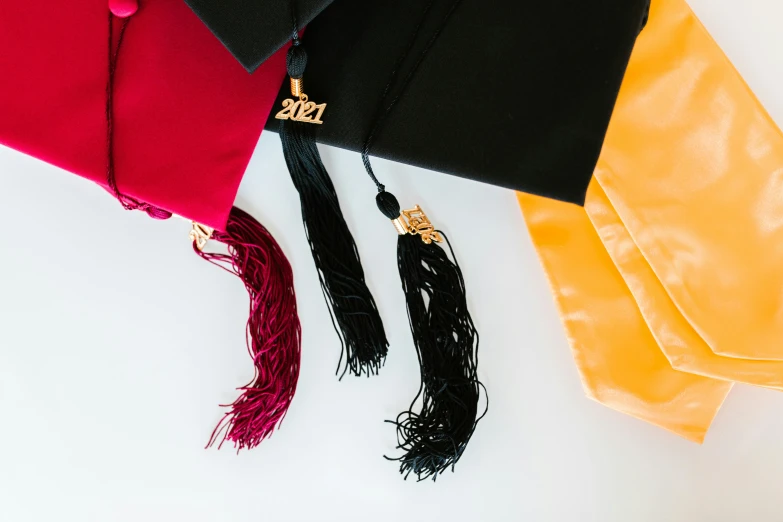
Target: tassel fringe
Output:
[(353, 309), (273, 331), (447, 346)]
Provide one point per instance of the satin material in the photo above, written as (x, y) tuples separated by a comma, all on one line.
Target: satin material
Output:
[(693, 166), (619, 361), (187, 115), (677, 339)]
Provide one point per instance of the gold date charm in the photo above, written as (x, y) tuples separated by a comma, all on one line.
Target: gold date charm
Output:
[(200, 235), (415, 221), (301, 110)]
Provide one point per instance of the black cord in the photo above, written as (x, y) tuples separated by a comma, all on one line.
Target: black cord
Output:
[(296, 59), (295, 34), (296, 63), (380, 114)]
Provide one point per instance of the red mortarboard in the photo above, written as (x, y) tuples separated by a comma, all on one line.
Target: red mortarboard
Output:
[(187, 116), (175, 123)]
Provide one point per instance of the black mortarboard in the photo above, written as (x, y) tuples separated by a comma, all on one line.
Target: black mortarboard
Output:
[(517, 94)]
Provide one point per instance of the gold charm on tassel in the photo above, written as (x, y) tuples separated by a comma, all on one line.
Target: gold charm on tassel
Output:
[(415, 221), (200, 235), (301, 109)]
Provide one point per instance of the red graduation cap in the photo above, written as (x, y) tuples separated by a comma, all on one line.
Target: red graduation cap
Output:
[(187, 116), (175, 125)]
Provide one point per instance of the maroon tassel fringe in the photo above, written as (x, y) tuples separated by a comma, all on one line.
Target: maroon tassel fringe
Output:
[(273, 330)]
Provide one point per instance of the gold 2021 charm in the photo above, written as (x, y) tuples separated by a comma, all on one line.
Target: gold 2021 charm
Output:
[(301, 110)]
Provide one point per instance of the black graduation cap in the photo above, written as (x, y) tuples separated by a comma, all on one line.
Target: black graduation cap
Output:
[(517, 94)]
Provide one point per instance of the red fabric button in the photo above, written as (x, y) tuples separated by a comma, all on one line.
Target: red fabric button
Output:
[(123, 8)]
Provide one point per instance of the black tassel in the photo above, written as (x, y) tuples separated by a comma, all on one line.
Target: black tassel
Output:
[(447, 343), (353, 309)]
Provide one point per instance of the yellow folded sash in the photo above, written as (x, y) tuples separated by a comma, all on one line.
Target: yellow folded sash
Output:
[(618, 359), (671, 278), (677, 339), (693, 165)]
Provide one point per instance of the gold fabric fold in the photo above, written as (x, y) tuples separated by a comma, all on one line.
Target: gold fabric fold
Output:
[(693, 166), (677, 339), (619, 361), (670, 281)]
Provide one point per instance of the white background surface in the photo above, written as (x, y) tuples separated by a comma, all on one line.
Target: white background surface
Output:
[(117, 344)]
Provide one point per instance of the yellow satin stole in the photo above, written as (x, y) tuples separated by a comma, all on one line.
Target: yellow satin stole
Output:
[(685, 221)]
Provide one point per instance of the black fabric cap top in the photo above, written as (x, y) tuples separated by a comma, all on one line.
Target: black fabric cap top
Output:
[(254, 29), (514, 93)]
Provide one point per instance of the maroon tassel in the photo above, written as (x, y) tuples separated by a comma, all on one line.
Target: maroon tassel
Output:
[(273, 330)]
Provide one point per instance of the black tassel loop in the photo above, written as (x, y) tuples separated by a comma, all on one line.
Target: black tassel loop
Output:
[(434, 438), (354, 312)]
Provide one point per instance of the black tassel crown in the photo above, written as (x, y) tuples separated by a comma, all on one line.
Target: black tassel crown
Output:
[(353, 309), (446, 343)]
